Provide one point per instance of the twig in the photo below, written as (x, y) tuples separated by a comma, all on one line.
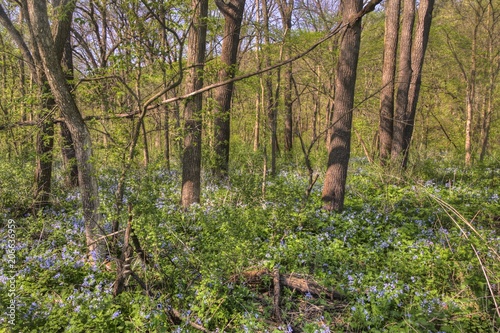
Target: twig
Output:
[(277, 292), (177, 315), (487, 281)]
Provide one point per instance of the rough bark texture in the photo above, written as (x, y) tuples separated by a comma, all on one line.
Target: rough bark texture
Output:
[(45, 138), (303, 284), (68, 147), (44, 147), (388, 75), (233, 15), (493, 72), (286, 9), (191, 157), (37, 10), (340, 142), (404, 79), (417, 61), (268, 92), (69, 157)]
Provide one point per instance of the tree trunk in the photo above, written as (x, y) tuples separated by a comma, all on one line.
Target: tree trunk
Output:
[(388, 75), (68, 148), (340, 142), (268, 95), (45, 138), (418, 52), (286, 9), (256, 127), (191, 159), (471, 97), (404, 79), (44, 156), (69, 156), (167, 135), (493, 72), (83, 145), (233, 14)]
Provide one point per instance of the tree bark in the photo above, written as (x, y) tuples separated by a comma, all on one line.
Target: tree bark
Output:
[(388, 76), (340, 142), (270, 96), (233, 15), (493, 72), (191, 159), (45, 138), (44, 156), (286, 9), (404, 79), (418, 52), (37, 10), (68, 147)]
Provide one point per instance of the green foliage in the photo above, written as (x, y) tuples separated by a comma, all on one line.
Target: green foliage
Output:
[(403, 260)]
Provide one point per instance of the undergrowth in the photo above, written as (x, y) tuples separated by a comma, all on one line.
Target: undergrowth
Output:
[(412, 253)]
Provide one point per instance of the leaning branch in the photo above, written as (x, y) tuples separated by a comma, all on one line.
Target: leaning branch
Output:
[(335, 31), (367, 9), (370, 7)]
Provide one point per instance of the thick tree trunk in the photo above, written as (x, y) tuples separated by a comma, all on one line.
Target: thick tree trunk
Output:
[(340, 142), (388, 75), (404, 79), (233, 14), (83, 146), (191, 159), (418, 52)]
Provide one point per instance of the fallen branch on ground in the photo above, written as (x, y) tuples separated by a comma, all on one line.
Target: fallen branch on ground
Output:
[(303, 284)]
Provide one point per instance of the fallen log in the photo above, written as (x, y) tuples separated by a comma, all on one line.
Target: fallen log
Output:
[(301, 283)]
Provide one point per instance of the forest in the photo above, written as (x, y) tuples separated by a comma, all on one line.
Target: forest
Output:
[(250, 166)]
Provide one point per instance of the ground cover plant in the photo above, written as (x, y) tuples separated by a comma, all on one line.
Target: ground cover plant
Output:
[(413, 253)]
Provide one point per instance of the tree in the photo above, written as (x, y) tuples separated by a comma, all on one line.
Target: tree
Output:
[(270, 97), (410, 76), (45, 137), (233, 16), (191, 157), (493, 56), (340, 142), (404, 78), (67, 146), (38, 16), (418, 52), (388, 74), (286, 10), (473, 41)]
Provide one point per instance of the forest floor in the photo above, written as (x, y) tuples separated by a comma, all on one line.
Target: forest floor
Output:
[(412, 253)]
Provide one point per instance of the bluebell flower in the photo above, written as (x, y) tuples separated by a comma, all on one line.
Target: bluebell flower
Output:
[(115, 314)]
